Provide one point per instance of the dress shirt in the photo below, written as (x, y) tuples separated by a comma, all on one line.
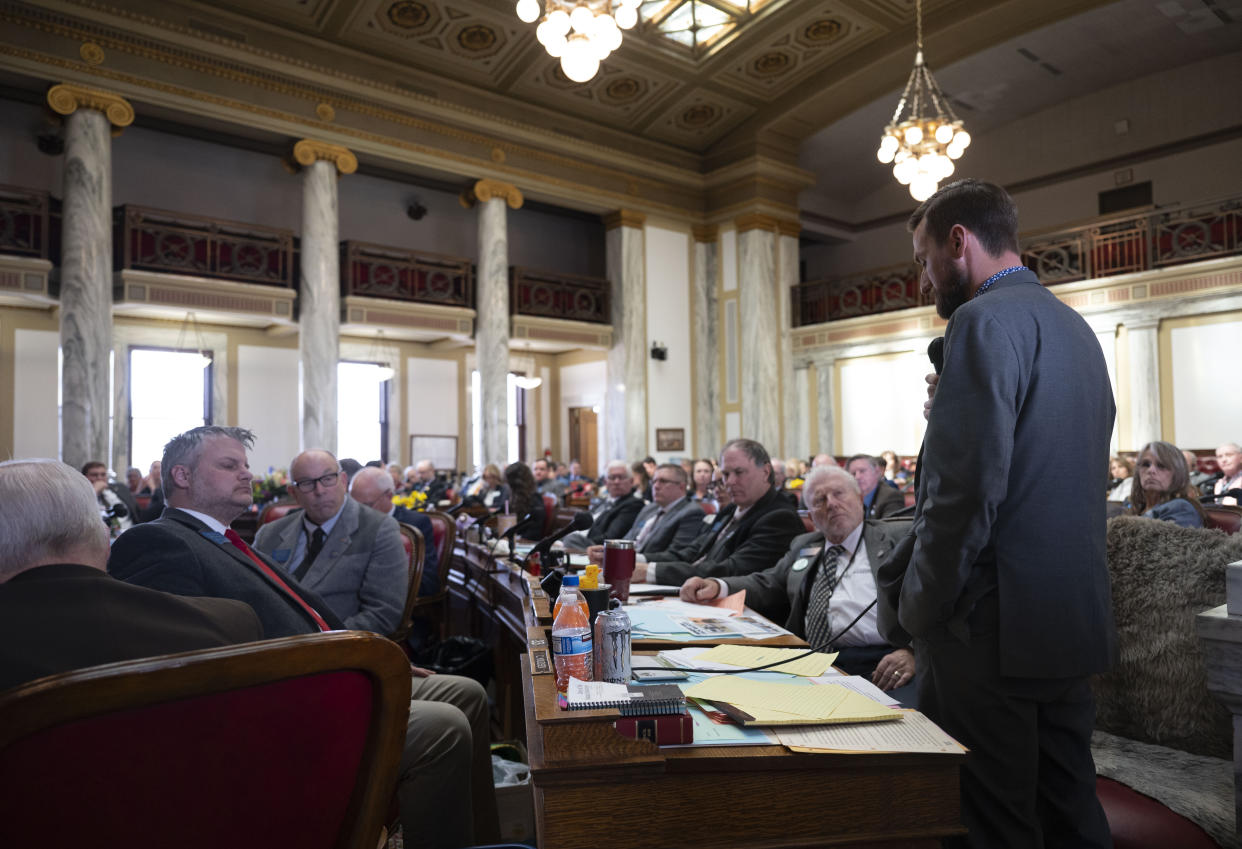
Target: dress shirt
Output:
[(299, 549), (210, 521), (855, 590)]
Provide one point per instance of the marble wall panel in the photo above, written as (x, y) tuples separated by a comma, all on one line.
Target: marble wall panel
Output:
[(319, 305), (492, 331)]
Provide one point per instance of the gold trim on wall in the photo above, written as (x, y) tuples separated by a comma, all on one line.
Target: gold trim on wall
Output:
[(755, 221), (309, 151), (705, 232), (67, 98), (625, 218), (486, 189)]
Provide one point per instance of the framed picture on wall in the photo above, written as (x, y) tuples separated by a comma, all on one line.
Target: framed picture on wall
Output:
[(670, 439)]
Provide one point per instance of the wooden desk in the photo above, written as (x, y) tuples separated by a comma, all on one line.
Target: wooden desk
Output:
[(593, 786)]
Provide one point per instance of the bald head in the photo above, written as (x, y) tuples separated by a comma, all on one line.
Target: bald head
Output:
[(374, 488), (318, 485)]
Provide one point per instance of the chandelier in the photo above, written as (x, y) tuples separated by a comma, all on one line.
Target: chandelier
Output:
[(581, 33), (925, 136)]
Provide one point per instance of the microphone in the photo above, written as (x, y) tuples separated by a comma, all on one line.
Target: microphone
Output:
[(116, 511), (580, 522), (468, 501), (935, 353), (1234, 493)]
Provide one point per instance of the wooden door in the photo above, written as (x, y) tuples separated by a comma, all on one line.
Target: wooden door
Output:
[(584, 440)]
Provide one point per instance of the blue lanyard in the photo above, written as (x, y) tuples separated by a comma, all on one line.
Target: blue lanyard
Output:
[(987, 284)]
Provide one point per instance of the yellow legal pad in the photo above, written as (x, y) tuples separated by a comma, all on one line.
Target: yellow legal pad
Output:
[(771, 703), (810, 666)]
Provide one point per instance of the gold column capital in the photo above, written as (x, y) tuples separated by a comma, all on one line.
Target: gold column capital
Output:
[(705, 232), (486, 189), (624, 218), (789, 227), (755, 221), (67, 98), (308, 151)]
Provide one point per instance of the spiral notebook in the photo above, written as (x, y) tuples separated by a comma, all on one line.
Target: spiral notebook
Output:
[(627, 699)]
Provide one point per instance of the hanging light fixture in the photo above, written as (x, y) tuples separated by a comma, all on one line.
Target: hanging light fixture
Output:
[(382, 370), (925, 136), (581, 33), (190, 325)]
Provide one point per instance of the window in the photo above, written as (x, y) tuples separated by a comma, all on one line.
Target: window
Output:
[(169, 393), (517, 419), (362, 411)]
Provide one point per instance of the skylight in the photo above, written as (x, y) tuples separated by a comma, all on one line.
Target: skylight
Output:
[(698, 25)]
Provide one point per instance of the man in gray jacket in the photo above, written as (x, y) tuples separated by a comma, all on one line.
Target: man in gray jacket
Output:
[(351, 557)]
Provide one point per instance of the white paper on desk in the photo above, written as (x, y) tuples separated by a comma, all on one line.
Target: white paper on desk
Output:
[(676, 607), (858, 684), (650, 619), (685, 659), (582, 692), (914, 733)]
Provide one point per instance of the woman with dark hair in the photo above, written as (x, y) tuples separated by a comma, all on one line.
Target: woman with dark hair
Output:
[(1161, 489), (642, 479), (524, 499), (1120, 470), (701, 481)]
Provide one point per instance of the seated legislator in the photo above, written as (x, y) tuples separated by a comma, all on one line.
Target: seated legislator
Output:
[(614, 514), (672, 518), (112, 494), (525, 502), (1161, 489), (348, 555), (748, 536), (426, 482), (546, 481), (879, 499), (374, 488), (1229, 458), (444, 783), (702, 477), (826, 580), (59, 609)]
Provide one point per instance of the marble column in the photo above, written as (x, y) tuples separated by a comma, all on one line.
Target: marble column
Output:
[(319, 299), (1144, 348), (491, 329), (759, 326), (825, 415), (86, 267), (625, 405), (786, 278), (797, 430), (705, 313)]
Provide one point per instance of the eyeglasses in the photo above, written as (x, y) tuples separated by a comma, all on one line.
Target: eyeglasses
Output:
[(718, 484), (326, 481), (669, 481)]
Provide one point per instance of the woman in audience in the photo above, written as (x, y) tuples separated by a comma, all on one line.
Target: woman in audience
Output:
[(490, 488), (892, 465), (1161, 488), (525, 499), (1120, 470), (701, 481), (642, 479)]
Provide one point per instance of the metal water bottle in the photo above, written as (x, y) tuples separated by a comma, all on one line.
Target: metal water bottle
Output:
[(612, 646)]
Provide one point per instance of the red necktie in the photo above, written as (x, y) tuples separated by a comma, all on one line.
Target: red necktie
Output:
[(231, 536)]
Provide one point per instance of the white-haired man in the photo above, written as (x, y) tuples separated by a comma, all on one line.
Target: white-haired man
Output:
[(824, 588), (374, 488), (59, 609), (614, 515)]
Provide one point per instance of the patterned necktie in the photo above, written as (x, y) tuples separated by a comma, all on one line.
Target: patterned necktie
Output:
[(716, 550), (239, 543), (312, 551), (817, 624)]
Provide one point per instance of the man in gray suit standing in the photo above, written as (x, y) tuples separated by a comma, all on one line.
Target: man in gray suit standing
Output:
[(1006, 591), (351, 557)]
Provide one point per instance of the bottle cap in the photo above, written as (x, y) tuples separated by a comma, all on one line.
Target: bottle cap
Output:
[(569, 581)]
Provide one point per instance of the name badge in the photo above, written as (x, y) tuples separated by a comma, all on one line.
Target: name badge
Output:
[(805, 556), (219, 539), (800, 564), (281, 555)]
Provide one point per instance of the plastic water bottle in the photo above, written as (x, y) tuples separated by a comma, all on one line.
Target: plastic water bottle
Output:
[(571, 635)]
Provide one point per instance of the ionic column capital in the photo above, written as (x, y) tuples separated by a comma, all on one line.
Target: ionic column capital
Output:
[(485, 190), (308, 151), (67, 98), (756, 221), (705, 232), (789, 227)]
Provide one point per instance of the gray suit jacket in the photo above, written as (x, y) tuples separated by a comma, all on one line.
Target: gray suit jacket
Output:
[(362, 571), (1009, 535), (179, 554), (678, 526), (781, 592)]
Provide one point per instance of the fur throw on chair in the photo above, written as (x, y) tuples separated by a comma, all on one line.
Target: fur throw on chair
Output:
[(1162, 576)]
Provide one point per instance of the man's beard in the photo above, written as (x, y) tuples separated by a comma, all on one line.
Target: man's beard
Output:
[(952, 295)]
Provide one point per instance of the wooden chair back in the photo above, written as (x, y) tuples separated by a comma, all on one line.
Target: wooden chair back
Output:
[(435, 607), (288, 742), (1224, 517), (416, 550), (276, 510), (550, 505)]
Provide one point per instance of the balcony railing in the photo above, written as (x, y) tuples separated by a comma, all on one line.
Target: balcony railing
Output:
[(565, 296), (156, 240), (1103, 248), (381, 272), (24, 222)]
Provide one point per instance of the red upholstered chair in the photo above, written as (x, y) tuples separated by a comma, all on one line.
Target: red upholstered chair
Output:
[(1225, 517), (415, 549), (549, 513), (435, 607), (276, 510), (289, 742), (1140, 822), (806, 520), (709, 507)]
